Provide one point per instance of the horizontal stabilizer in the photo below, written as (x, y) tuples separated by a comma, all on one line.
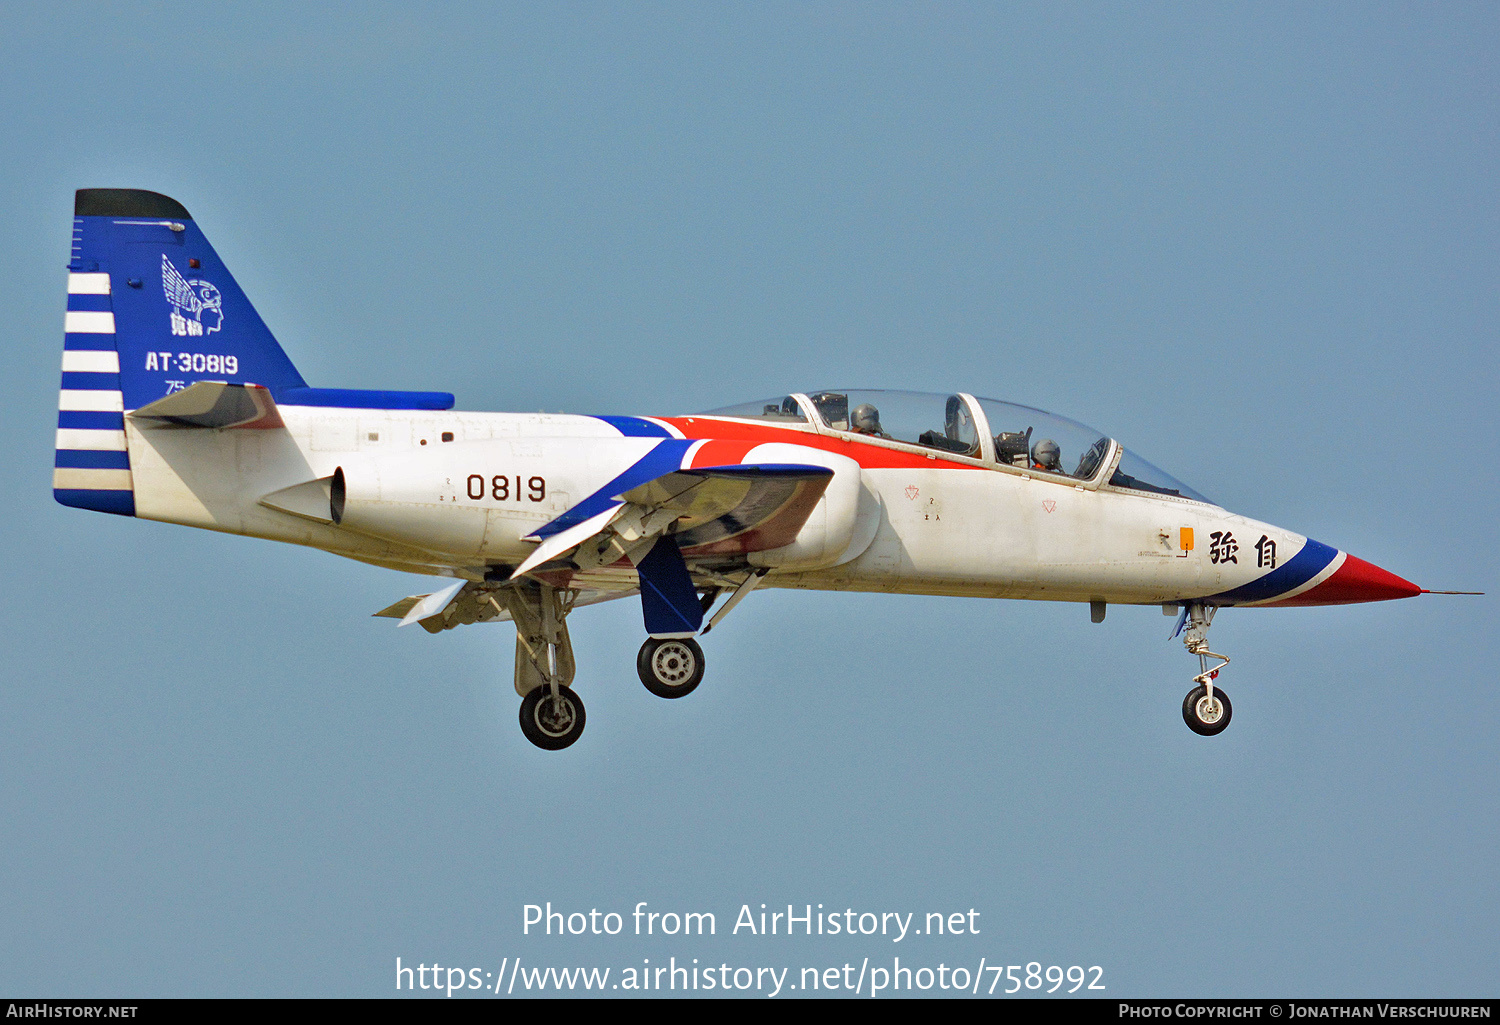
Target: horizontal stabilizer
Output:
[(432, 604), (473, 604), (435, 611), (398, 610), (215, 404)]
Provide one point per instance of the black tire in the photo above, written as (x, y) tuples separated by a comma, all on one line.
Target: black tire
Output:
[(1192, 711), (670, 668), (543, 727)]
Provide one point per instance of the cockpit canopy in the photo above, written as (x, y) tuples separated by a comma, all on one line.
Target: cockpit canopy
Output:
[(994, 432)]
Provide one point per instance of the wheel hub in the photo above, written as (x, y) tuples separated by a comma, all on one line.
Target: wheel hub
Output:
[(1209, 710), (672, 664), (554, 716)]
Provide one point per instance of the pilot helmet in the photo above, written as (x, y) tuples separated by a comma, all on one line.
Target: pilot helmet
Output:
[(865, 418), (1046, 454)]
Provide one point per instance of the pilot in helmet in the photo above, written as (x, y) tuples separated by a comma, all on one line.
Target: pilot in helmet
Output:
[(1045, 455), (866, 420)]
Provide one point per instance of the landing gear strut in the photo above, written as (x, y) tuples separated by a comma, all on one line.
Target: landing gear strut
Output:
[(552, 715), (1206, 709), (670, 668)]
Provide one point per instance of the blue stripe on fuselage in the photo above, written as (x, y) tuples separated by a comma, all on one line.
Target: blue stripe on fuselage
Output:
[(1296, 571), (664, 458), (635, 427)]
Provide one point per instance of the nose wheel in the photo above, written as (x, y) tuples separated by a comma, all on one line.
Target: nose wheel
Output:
[(1206, 714), (1206, 709), (671, 667)]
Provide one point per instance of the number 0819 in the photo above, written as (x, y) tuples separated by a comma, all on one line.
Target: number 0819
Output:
[(502, 488)]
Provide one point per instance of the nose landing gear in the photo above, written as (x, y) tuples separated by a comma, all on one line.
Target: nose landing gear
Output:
[(1206, 709)]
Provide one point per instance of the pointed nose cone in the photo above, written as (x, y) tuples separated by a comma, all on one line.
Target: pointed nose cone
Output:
[(1357, 581)]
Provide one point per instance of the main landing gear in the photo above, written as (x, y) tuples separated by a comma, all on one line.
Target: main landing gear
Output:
[(1206, 709), (552, 716)]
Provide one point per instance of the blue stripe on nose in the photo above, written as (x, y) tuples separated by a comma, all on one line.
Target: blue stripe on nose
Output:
[(1296, 571)]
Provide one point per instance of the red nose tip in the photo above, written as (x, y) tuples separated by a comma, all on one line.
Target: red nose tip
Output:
[(1356, 581)]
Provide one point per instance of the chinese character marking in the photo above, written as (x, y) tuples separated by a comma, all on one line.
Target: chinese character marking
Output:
[(1222, 546), (1265, 552)]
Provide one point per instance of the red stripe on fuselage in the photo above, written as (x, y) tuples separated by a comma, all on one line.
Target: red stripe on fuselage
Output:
[(866, 452), (721, 453)]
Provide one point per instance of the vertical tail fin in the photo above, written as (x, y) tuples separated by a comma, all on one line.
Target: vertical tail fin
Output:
[(151, 310)]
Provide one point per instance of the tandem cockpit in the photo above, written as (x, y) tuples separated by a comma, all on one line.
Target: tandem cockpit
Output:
[(998, 434)]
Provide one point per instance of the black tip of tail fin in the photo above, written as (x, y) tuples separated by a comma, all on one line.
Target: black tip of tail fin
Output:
[(127, 203)]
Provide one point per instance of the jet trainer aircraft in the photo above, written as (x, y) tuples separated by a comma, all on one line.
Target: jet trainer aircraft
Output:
[(178, 405)]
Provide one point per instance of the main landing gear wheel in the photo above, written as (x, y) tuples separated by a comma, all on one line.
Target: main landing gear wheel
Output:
[(1206, 716), (551, 724), (670, 668)]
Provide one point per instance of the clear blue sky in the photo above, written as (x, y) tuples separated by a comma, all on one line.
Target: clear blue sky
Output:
[(1257, 243)]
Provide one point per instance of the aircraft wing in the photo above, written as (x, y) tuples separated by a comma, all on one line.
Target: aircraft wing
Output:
[(712, 510), (735, 509), (681, 515), (655, 528)]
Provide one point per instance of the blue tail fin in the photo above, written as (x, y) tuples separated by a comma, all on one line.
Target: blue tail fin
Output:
[(151, 309), (179, 315)]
